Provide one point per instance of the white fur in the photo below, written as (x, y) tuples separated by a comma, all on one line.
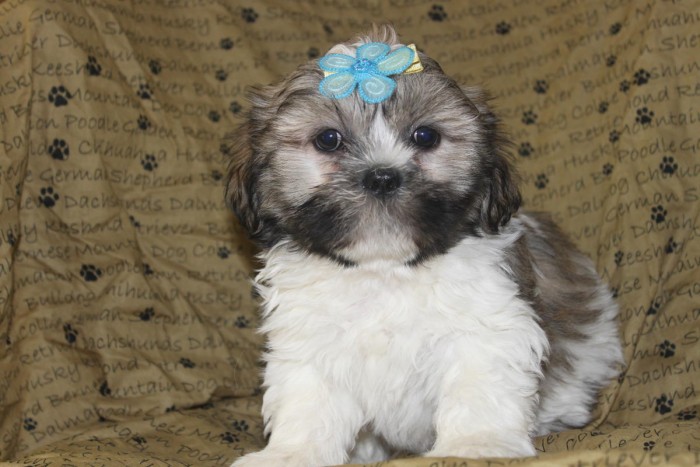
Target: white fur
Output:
[(442, 358), (386, 148)]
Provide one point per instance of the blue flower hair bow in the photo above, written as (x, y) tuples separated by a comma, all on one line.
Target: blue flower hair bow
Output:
[(369, 72)]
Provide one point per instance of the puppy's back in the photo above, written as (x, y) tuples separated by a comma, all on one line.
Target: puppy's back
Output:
[(579, 315)]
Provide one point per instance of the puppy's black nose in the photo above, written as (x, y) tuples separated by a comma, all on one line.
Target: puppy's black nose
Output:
[(382, 182)]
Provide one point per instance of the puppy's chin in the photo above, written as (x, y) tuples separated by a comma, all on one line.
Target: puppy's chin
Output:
[(378, 247)]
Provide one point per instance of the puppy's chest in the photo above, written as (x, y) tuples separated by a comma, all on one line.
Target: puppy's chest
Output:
[(386, 344), (378, 332)]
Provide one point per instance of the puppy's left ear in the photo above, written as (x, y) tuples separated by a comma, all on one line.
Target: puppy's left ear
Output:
[(503, 199), (501, 195)]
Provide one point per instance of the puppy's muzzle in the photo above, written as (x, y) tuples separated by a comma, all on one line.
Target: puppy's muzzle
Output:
[(382, 182)]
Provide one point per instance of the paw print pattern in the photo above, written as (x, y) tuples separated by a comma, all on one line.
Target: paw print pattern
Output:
[(223, 252), (144, 91), (229, 437), (93, 68), (214, 116), (154, 66), (641, 77), (529, 117), (603, 107), (312, 53), (59, 149), (105, 390), (526, 149), (687, 414), (47, 197), (624, 85), (619, 256), (143, 122), (649, 445), (671, 246), (186, 362), (611, 60), (668, 165), (30, 424), (149, 163), (644, 116), (242, 322), (221, 75), (147, 314), (437, 13), (614, 136), (541, 86), (663, 404), (667, 349), (90, 272), (226, 43), (249, 15), (654, 307), (59, 96), (240, 425), (235, 107), (70, 333), (658, 214), (615, 28), (607, 169), (541, 181), (503, 28)]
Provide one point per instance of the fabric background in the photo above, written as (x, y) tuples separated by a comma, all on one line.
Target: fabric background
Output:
[(126, 316)]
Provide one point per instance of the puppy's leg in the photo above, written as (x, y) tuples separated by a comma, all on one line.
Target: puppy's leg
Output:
[(310, 422), (369, 448), (485, 408)]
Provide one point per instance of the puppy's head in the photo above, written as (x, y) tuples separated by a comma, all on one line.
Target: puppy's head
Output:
[(400, 181)]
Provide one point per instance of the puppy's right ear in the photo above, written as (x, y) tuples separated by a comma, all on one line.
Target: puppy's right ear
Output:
[(241, 193)]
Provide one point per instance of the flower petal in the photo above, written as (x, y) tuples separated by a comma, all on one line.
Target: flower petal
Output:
[(338, 85), (376, 88), (373, 50), (396, 62), (336, 62)]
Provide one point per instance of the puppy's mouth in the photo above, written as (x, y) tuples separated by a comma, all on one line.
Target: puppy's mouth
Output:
[(368, 221)]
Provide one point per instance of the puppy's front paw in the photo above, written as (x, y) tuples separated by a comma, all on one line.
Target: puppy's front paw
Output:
[(270, 458), (486, 447)]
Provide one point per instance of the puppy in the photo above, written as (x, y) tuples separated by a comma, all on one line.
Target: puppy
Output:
[(407, 307)]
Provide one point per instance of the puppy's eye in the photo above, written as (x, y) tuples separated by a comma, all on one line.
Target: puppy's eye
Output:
[(425, 137), (328, 140)]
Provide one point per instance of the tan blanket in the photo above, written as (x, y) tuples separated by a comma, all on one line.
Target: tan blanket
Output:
[(127, 324)]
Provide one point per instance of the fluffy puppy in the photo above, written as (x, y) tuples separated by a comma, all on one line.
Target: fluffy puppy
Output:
[(407, 307)]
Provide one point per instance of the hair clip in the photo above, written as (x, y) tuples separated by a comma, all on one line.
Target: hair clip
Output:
[(369, 71)]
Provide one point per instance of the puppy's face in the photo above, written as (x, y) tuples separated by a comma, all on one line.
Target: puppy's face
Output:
[(398, 181)]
